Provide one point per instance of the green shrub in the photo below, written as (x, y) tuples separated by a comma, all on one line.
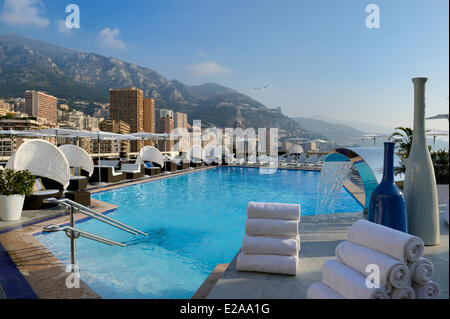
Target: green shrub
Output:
[(16, 182), (440, 163)]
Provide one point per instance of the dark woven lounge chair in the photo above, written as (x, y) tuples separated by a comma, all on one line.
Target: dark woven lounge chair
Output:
[(170, 166), (109, 175), (196, 164), (52, 190), (81, 197), (132, 171), (152, 169), (78, 183), (183, 165)]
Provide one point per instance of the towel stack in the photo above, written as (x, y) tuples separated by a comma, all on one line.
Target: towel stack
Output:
[(403, 272), (422, 271), (272, 241)]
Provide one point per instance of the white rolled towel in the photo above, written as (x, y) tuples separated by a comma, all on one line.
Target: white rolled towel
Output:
[(321, 291), (348, 282), (271, 227), (392, 272), (260, 245), (286, 265), (388, 241), (403, 293), (421, 270), (430, 290), (273, 211)]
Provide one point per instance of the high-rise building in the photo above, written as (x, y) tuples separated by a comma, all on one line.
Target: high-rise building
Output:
[(41, 105), (128, 105), (119, 127), (4, 107), (149, 117), (166, 125), (181, 120)]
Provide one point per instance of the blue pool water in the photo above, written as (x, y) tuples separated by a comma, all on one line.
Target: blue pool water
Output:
[(195, 222)]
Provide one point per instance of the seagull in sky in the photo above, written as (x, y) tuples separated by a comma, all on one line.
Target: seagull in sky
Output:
[(262, 88)]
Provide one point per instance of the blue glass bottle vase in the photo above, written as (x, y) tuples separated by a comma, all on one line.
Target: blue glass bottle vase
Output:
[(387, 204)]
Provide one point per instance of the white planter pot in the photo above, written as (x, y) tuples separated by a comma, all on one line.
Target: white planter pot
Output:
[(11, 207)]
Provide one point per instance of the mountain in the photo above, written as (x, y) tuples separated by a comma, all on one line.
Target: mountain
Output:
[(74, 75), (339, 133), (362, 126), (23, 67)]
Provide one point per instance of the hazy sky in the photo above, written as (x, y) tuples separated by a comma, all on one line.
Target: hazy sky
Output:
[(318, 57)]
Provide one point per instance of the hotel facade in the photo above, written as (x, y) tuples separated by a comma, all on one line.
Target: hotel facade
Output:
[(128, 105), (41, 105)]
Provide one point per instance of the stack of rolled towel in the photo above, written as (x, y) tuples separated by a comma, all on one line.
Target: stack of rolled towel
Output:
[(272, 241), (370, 249)]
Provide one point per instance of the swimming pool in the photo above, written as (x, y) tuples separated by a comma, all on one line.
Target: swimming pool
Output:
[(194, 221)]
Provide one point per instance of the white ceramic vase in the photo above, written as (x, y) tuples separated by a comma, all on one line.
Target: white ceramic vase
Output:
[(11, 207), (420, 190)]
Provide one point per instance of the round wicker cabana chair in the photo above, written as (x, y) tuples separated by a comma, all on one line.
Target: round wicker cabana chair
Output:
[(48, 164)]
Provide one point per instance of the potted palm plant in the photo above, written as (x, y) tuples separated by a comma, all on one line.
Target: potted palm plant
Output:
[(14, 186)]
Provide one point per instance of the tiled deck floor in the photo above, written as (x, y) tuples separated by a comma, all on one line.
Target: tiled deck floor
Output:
[(319, 237)]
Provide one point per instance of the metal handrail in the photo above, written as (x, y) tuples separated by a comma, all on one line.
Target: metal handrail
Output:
[(74, 233), (96, 215), (71, 231)]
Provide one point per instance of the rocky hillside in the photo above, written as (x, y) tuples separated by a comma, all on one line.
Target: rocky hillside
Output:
[(65, 73)]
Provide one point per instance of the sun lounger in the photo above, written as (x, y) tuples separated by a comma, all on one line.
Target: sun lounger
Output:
[(81, 197), (108, 174), (181, 163), (77, 183), (113, 163), (151, 170), (196, 162), (132, 171), (169, 166), (45, 188)]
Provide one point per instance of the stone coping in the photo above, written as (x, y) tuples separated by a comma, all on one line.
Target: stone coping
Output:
[(43, 272)]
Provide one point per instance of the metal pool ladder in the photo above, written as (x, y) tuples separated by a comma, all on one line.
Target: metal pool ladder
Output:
[(74, 233)]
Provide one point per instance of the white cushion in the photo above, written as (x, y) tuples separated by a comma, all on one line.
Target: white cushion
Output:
[(131, 168)]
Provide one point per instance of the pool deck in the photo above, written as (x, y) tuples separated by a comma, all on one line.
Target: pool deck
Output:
[(319, 237), (29, 270)]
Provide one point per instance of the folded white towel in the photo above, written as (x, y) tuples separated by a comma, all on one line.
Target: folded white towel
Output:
[(421, 270), (321, 291), (388, 241), (273, 211), (430, 290), (297, 238), (271, 227), (348, 282), (260, 245), (286, 265), (403, 293), (393, 272)]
